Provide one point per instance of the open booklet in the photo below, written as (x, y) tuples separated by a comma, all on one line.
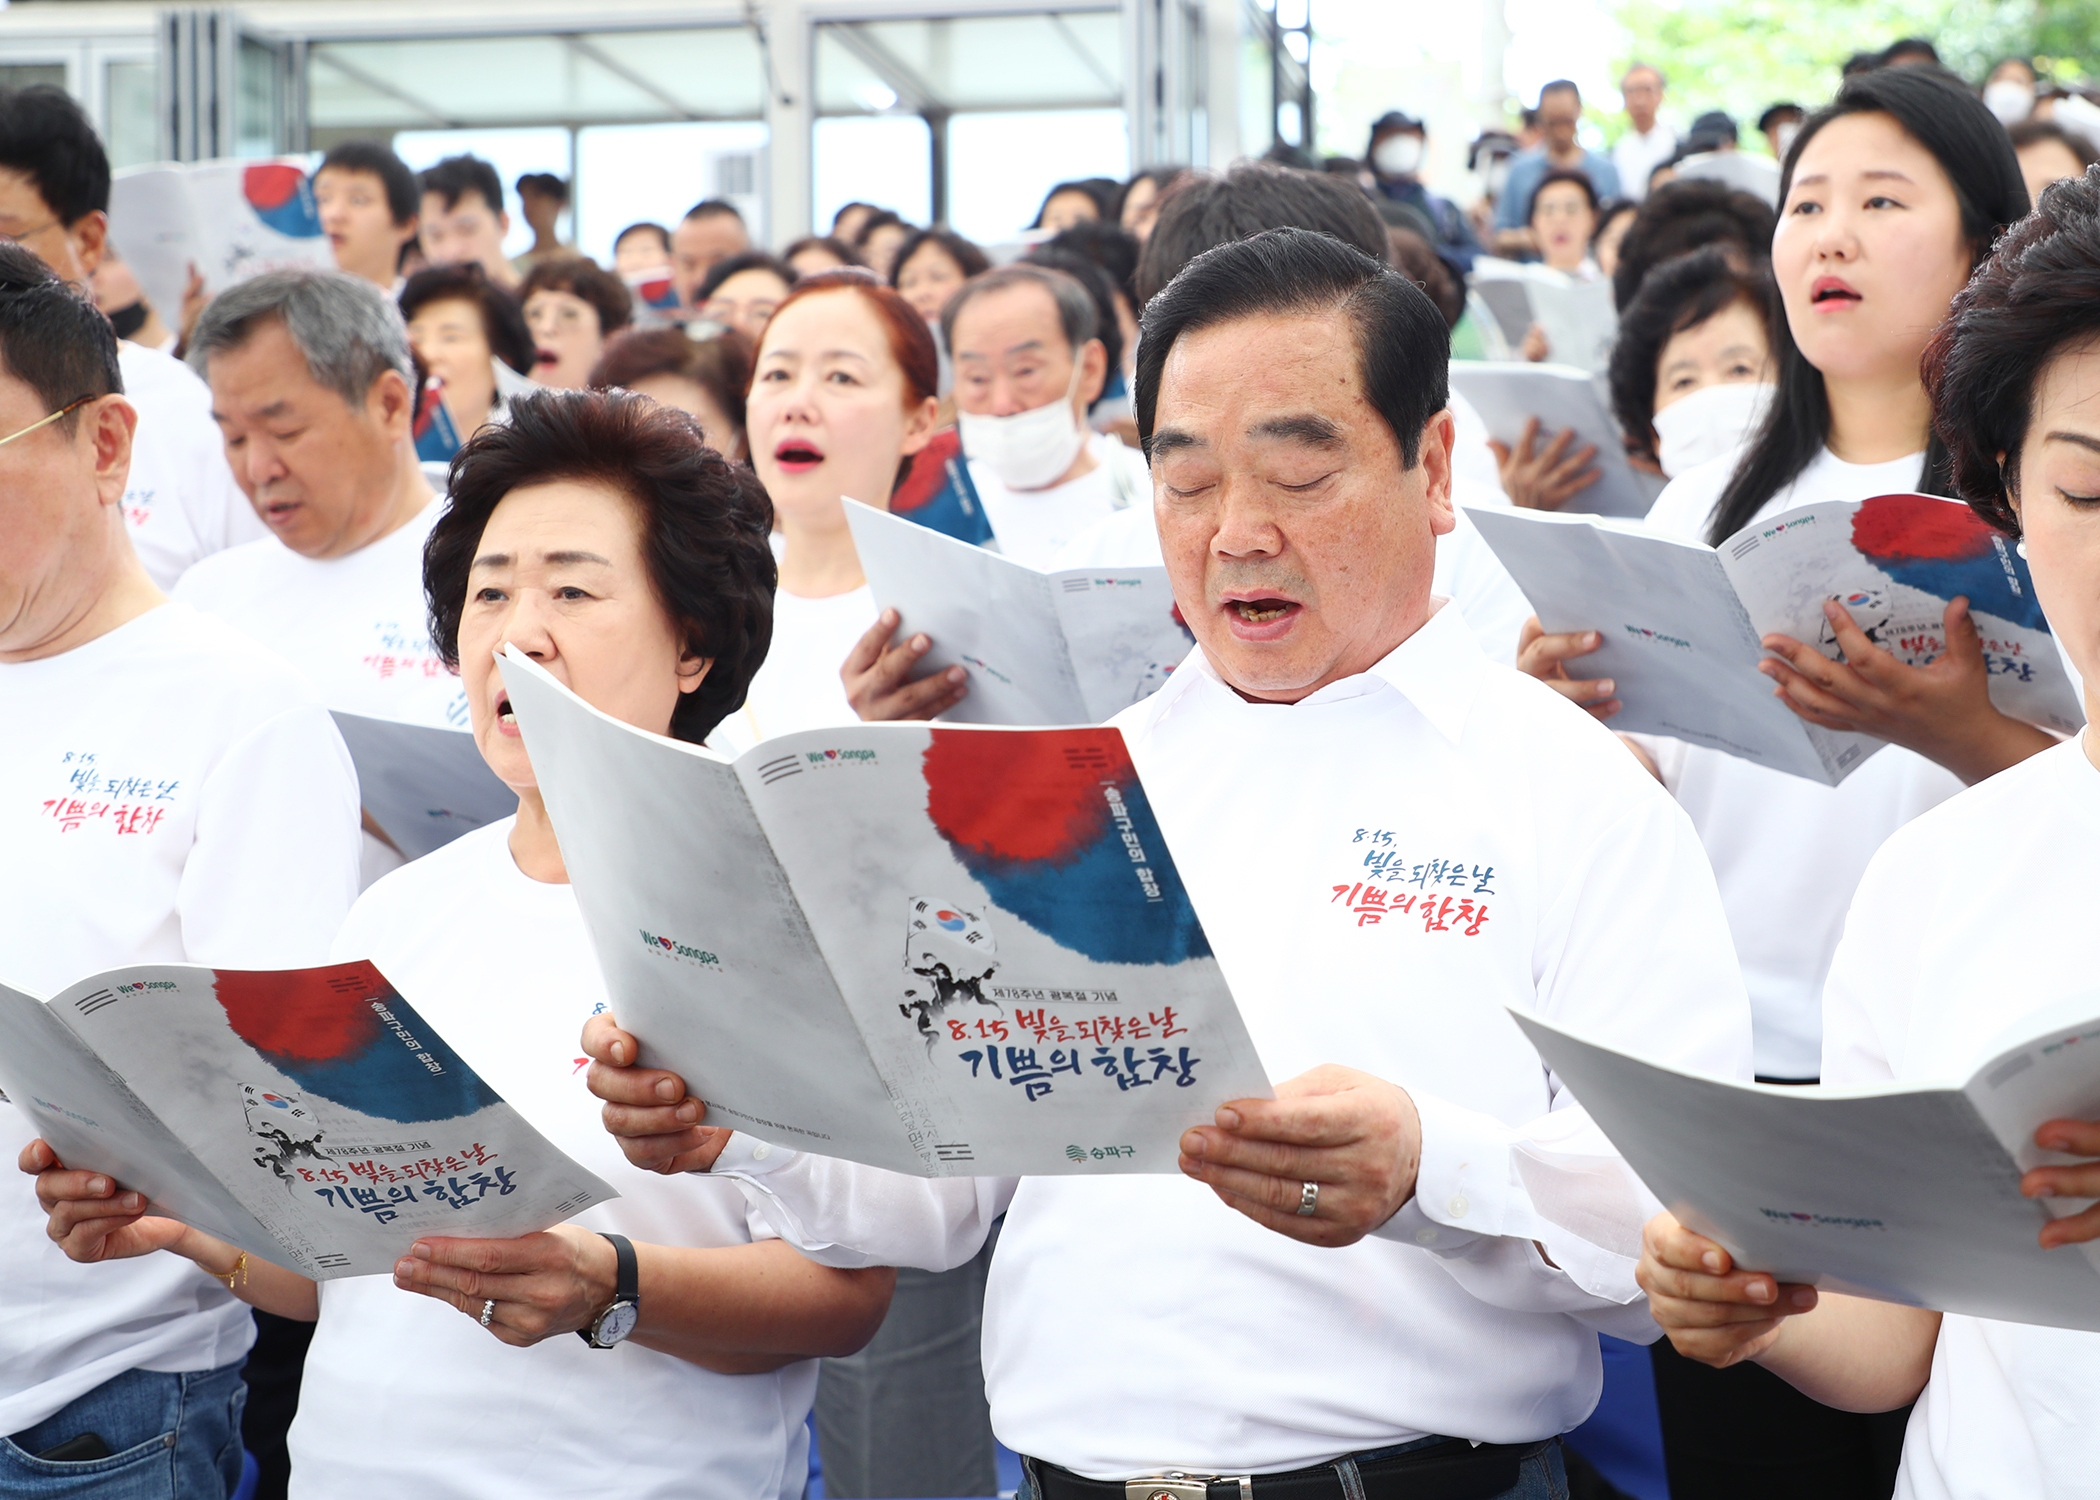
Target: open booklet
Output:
[(1682, 621), (1563, 399), (230, 219), (309, 1116), (422, 786), (1041, 648), (1901, 1193), (944, 951), (1578, 318)]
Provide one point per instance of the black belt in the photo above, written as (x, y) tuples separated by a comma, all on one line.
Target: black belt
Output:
[(1451, 1470)]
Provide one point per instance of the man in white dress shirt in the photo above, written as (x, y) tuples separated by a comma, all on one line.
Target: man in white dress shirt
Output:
[(1388, 1280), (180, 501), (169, 793), (1648, 142), (1028, 364)]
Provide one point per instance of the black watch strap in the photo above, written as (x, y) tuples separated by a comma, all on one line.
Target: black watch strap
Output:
[(627, 1280), (627, 1285)]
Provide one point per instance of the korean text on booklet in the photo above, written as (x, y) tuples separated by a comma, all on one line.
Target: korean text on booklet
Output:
[(1897, 1192), (422, 786), (944, 951), (1682, 622), (1563, 399), (309, 1116), (1041, 648)]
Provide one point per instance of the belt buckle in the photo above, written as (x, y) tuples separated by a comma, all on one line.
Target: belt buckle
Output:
[(1173, 1484)]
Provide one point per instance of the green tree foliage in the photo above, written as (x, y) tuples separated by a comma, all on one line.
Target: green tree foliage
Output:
[(1742, 55)]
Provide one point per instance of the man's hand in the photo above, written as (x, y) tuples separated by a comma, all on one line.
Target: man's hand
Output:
[(542, 1284), (1941, 710), (2079, 1138), (878, 677), (1712, 1312), (1548, 477), (1357, 1136), (657, 1123), (1546, 657)]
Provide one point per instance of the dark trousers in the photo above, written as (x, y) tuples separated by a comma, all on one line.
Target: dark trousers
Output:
[(275, 1366), (907, 1416), (1745, 1434)]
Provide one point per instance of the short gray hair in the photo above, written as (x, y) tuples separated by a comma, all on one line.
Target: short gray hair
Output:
[(349, 331), (1076, 310)]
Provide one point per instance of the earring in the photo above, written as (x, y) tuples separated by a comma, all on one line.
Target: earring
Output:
[(2021, 547)]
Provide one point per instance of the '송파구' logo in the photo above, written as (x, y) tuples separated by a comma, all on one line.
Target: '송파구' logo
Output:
[(670, 948)]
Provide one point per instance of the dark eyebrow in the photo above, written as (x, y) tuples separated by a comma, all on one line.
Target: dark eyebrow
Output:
[(1314, 432), (2079, 438), (558, 559), (1172, 440)]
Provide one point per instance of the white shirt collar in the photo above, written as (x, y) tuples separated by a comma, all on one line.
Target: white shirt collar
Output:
[(1437, 669)]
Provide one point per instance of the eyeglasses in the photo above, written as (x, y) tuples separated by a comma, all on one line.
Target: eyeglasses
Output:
[(16, 239), (73, 405)]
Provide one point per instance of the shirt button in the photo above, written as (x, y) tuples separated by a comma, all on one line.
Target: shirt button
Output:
[(1425, 1236), (761, 1151), (1458, 1205)]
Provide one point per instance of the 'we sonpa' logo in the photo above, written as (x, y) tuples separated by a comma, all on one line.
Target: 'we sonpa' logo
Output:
[(678, 952), (841, 757)]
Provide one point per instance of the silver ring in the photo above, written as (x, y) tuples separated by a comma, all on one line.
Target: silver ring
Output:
[(1309, 1200), (488, 1308)]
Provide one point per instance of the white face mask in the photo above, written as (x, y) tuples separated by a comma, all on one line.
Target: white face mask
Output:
[(2011, 102), (1398, 155), (1030, 449), (1495, 176), (1711, 421)]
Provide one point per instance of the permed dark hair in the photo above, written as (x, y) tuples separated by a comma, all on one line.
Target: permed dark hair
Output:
[(968, 255), (585, 278), (1686, 215), (456, 176), (1677, 295), (1403, 349), (52, 339), (1936, 110), (705, 525), (720, 365), (1253, 196), (404, 200), (502, 320), (46, 137), (2037, 294)]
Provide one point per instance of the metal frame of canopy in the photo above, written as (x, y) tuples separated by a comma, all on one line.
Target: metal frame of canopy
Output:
[(1198, 80)]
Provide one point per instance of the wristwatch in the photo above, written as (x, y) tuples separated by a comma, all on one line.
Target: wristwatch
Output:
[(625, 1310)]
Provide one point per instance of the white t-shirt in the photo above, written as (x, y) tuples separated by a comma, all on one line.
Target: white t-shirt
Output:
[(1979, 912), (1787, 851), (1031, 526), (356, 626), (799, 686), (501, 965), (180, 500), (1439, 838), (1639, 153), (1467, 571), (169, 793)]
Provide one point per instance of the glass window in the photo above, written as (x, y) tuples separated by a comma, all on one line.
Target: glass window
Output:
[(628, 173), (130, 128), (1001, 165), (886, 160)]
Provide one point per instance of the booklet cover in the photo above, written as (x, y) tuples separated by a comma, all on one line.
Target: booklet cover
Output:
[(1900, 1193), (1682, 621), (1075, 647), (1507, 395), (230, 219), (420, 785), (943, 951), (309, 1116)]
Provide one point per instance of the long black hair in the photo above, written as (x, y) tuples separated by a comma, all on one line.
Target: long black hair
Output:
[(1938, 112)]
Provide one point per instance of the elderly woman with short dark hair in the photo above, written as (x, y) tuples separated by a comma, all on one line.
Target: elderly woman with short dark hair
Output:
[(598, 535)]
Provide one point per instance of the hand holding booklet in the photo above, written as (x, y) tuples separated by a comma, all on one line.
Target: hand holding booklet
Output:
[(1041, 648), (1682, 622), (944, 951), (1508, 395), (307, 1116), (1900, 1193)]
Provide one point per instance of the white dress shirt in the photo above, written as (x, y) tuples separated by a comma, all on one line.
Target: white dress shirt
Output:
[(1640, 152), (1976, 914), (1381, 869)]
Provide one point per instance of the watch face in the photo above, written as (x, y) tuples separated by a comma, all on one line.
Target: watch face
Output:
[(615, 1323)]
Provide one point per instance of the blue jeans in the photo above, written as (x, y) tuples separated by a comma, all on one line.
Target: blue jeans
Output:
[(170, 1437)]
